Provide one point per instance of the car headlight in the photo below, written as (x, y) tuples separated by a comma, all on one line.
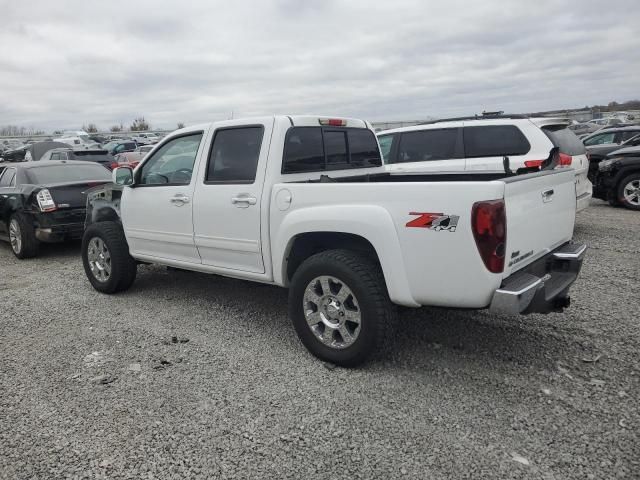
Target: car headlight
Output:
[(605, 165)]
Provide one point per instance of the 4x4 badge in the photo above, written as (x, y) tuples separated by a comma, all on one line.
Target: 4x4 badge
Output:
[(434, 221)]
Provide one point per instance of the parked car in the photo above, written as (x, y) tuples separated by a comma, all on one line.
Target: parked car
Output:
[(144, 149), (120, 146), (16, 154), (145, 138), (611, 135), (304, 202), (102, 157), (132, 159), (45, 202), (597, 153), (617, 178), (37, 150), (481, 144)]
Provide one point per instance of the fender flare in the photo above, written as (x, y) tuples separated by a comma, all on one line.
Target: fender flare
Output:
[(373, 223)]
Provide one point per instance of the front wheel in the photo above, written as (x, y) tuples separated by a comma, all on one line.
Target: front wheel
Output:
[(629, 192), (339, 306), (106, 259)]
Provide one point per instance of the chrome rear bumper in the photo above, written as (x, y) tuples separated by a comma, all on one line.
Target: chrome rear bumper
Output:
[(543, 286)]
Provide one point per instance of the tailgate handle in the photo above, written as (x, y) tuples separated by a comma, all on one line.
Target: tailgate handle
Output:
[(547, 195)]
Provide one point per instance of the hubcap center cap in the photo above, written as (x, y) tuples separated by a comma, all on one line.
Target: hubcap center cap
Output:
[(331, 310)]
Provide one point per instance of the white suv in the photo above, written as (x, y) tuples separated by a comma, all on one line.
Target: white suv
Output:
[(477, 143)]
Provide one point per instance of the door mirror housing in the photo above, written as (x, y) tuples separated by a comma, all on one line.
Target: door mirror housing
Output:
[(122, 176)]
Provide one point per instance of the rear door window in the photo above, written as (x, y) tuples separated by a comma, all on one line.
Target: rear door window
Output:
[(494, 141), (234, 155), (316, 149), (426, 145), (563, 138)]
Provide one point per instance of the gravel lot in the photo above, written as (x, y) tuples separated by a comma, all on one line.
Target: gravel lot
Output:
[(195, 376)]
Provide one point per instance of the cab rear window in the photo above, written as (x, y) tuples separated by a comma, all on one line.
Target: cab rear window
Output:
[(317, 149)]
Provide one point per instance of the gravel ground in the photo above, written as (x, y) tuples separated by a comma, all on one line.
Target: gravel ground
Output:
[(195, 376)]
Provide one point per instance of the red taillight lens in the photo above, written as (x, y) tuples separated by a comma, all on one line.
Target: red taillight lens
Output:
[(489, 225), (533, 163), (114, 165), (565, 160)]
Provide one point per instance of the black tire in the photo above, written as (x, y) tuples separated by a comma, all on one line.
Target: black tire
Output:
[(123, 266), (364, 278), (28, 244), (620, 191)]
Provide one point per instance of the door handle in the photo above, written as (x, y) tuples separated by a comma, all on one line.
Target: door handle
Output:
[(244, 201), (179, 199), (547, 195)]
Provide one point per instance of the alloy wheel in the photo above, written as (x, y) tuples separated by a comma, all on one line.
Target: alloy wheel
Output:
[(631, 192), (332, 312), (99, 259), (15, 236)]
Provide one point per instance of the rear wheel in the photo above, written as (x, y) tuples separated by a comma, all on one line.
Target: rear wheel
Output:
[(339, 306), (629, 191), (106, 259), (22, 236)]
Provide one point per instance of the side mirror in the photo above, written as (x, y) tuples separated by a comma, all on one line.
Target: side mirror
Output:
[(122, 176)]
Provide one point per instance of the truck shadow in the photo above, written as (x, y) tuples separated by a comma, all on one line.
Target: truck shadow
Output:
[(420, 336)]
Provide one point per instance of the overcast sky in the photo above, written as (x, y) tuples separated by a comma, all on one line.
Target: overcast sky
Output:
[(63, 64)]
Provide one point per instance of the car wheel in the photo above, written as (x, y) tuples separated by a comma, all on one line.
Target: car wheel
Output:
[(339, 306), (629, 191), (106, 259), (22, 236)]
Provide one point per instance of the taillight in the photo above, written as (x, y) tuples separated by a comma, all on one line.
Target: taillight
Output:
[(45, 201), (333, 122), (114, 165), (564, 160), (489, 225), (533, 163)]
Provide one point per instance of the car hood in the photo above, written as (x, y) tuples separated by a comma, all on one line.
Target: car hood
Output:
[(625, 151)]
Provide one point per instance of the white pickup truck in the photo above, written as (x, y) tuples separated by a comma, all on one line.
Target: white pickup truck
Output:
[(304, 202)]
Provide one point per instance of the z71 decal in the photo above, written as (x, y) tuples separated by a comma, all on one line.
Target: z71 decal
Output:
[(434, 221)]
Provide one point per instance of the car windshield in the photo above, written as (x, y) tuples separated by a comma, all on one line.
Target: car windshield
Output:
[(70, 172)]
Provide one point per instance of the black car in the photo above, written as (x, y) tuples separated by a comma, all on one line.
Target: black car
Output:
[(45, 202), (597, 153), (617, 179), (16, 154)]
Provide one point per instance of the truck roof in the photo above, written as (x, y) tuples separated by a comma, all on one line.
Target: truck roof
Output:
[(295, 120)]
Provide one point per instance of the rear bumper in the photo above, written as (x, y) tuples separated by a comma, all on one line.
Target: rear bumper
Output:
[(60, 233), (543, 286)]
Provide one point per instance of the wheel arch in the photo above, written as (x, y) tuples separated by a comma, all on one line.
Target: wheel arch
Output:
[(362, 228)]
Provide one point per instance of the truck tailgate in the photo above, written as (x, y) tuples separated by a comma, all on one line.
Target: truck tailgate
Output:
[(541, 211)]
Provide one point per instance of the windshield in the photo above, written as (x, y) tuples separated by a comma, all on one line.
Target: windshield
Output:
[(71, 172)]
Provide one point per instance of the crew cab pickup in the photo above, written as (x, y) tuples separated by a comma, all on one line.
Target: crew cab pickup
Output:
[(304, 203)]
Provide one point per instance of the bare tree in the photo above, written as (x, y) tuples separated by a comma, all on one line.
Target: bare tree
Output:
[(140, 125), (91, 128), (116, 128), (180, 125)]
